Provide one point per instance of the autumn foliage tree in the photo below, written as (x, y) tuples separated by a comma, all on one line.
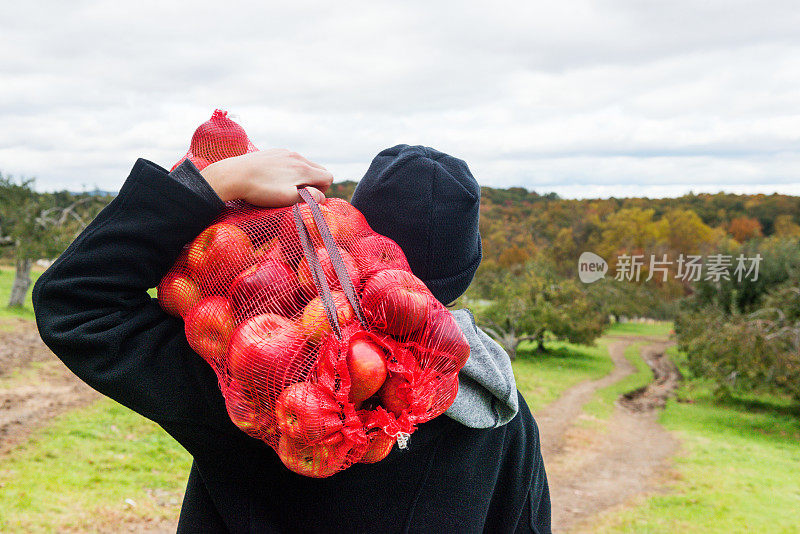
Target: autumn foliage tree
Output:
[(744, 228), (785, 226)]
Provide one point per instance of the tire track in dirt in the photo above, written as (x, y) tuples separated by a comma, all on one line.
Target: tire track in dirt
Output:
[(47, 390), (591, 470)]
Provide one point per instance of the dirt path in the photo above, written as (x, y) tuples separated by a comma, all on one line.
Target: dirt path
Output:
[(556, 418), (47, 389), (591, 470)]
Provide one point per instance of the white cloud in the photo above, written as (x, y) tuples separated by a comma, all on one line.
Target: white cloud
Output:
[(585, 98)]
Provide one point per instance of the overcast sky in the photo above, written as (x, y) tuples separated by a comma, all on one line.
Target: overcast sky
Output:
[(584, 98)]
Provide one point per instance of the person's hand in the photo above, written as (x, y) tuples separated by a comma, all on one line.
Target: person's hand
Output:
[(267, 178)]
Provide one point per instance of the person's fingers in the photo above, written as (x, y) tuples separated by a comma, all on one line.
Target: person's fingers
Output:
[(282, 196), (319, 178), (288, 196), (279, 198)]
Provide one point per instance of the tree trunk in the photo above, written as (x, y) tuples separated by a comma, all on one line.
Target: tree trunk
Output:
[(540, 348), (22, 281), (512, 350), (508, 340)]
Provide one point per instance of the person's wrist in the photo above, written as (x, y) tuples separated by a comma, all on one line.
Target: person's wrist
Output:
[(221, 180)]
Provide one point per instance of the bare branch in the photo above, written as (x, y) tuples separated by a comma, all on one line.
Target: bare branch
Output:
[(57, 216)]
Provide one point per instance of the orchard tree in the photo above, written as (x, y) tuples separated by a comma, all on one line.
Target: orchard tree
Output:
[(746, 336), (509, 320), (532, 302), (37, 225), (627, 230), (786, 227)]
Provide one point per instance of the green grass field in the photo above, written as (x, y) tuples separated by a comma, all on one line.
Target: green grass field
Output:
[(76, 474), (541, 378), (95, 466), (602, 404), (659, 328)]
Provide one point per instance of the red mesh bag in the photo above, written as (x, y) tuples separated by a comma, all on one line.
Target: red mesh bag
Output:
[(217, 138), (325, 345)]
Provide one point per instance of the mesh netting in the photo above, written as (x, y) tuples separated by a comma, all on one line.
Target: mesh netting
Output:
[(325, 344), (216, 139)]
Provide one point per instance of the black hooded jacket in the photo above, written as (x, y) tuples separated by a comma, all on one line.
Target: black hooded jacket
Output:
[(93, 310)]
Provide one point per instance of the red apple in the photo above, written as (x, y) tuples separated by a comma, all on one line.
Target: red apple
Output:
[(313, 323), (396, 301), (318, 461), (328, 215), (445, 389), (270, 250), (270, 286), (398, 395), (444, 346), (350, 222), (306, 280), (307, 412), (379, 447), (395, 395), (218, 254), (375, 253), (178, 293), (219, 138), (257, 345), (208, 328), (247, 413), (366, 363), (285, 360)]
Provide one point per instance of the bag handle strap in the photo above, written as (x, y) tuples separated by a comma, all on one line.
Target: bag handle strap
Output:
[(333, 253), (320, 281)]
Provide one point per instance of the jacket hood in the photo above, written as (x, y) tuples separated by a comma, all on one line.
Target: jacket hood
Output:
[(487, 391)]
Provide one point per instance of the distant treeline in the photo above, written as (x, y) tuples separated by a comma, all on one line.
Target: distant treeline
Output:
[(517, 224)]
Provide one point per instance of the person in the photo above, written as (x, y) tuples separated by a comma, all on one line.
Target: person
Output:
[(477, 468)]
